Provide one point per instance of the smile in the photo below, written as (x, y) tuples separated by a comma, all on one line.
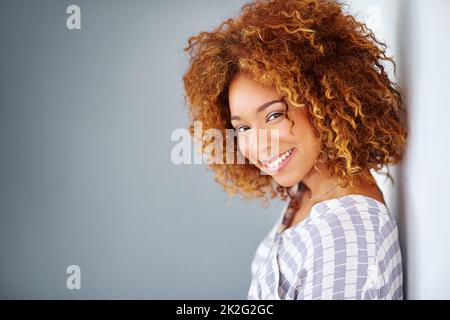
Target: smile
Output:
[(273, 166)]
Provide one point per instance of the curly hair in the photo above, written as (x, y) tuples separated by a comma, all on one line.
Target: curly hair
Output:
[(316, 56)]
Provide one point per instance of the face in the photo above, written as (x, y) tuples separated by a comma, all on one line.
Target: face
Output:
[(259, 118)]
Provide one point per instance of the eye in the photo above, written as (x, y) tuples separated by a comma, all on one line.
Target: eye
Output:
[(274, 116), (239, 129)]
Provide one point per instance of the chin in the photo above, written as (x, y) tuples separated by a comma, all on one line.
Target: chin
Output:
[(286, 181), (290, 178)]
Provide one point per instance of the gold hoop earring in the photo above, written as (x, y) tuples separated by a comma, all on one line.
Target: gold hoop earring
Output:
[(320, 160), (315, 166)]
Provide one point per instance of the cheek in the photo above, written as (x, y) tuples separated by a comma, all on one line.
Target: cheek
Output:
[(246, 149), (302, 133), (243, 147)]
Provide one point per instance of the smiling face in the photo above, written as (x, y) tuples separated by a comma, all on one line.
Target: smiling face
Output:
[(253, 108)]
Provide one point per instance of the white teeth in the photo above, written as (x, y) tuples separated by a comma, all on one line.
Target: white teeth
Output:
[(277, 162)]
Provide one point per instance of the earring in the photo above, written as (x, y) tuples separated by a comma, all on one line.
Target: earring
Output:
[(315, 166), (320, 160)]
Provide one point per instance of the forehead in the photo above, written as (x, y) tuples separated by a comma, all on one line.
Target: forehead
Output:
[(245, 94)]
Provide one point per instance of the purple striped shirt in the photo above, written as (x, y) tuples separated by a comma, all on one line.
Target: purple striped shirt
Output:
[(347, 248)]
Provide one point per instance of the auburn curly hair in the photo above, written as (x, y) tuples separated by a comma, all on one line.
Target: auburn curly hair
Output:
[(316, 56)]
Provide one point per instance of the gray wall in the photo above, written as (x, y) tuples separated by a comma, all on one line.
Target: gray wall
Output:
[(86, 118), (86, 175)]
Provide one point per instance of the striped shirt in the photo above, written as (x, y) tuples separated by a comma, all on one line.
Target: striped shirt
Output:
[(347, 248)]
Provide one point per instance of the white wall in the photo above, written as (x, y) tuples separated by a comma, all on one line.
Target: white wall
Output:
[(426, 217), (418, 36)]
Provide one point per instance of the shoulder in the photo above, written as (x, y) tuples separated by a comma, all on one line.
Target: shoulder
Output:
[(353, 214), (345, 226), (342, 240)]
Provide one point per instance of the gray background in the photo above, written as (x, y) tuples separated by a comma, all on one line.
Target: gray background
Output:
[(86, 175)]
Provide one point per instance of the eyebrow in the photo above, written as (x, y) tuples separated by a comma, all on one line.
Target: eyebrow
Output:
[(260, 108)]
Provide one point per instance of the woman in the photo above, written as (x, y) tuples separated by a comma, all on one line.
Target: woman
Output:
[(314, 75)]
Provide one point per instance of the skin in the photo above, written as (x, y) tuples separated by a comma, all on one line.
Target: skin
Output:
[(245, 96)]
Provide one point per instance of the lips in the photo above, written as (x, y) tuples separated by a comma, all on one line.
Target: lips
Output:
[(276, 164)]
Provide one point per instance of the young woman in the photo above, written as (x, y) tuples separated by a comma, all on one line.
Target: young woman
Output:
[(312, 73)]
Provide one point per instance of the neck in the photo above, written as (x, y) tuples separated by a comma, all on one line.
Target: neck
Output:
[(320, 183)]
